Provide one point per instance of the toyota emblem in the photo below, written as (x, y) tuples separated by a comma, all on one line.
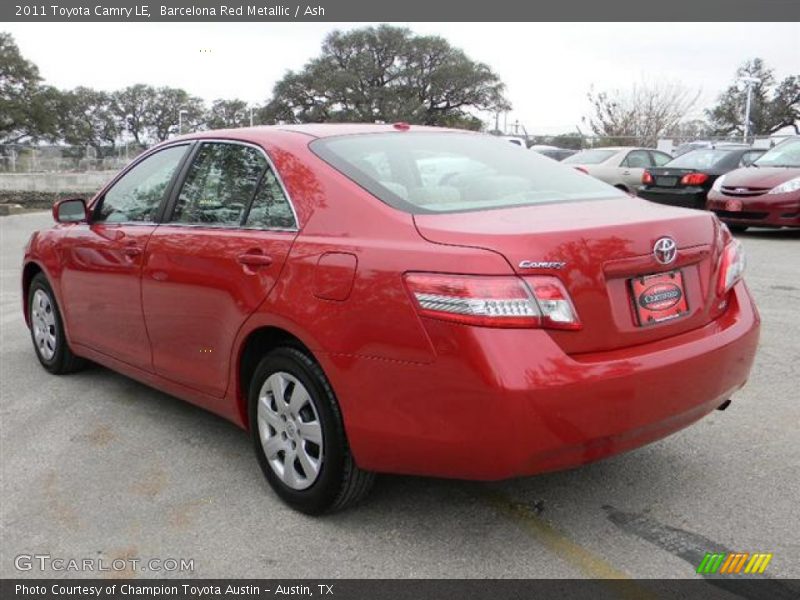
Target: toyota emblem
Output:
[(665, 250)]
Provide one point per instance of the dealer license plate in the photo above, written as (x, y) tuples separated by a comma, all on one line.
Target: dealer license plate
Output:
[(658, 298)]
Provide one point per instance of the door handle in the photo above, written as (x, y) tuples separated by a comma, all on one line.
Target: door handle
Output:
[(132, 251), (626, 172), (252, 259)]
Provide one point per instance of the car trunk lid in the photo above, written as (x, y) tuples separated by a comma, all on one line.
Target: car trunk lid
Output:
[(596, 248)]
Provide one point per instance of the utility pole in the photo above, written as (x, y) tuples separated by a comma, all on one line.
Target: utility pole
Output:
[(251, 116), (749, 82), (180, 120)]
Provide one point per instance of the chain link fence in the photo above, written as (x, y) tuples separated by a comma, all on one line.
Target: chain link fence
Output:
[(20, 158)]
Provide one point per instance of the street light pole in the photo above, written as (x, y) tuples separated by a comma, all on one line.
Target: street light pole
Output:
[(180, 120), (749, 82)]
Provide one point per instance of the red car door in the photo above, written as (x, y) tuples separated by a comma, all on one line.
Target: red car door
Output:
[(101, 278), (213, 261)]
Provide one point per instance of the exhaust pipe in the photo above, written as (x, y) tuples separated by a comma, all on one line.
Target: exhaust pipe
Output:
[(724, 405)]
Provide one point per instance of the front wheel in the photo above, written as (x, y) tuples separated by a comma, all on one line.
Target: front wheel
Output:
[(299, 436), (47, 330)]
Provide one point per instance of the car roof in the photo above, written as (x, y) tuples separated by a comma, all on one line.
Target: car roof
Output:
[(313, 130)]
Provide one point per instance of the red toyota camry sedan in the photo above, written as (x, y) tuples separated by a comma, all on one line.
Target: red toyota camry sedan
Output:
[(395, 299)]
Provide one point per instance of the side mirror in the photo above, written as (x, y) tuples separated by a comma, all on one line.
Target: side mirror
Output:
[(70, 210)]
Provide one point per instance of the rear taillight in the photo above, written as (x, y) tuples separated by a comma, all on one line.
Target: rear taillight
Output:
[(731, 267), (493, 301), (694, 179), (647, 178)]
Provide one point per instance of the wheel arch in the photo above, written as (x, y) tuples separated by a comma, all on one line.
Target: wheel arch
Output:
[(29, 271), (259, 342)]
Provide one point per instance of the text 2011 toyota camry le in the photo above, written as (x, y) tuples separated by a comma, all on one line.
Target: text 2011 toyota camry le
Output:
[(395, 299)]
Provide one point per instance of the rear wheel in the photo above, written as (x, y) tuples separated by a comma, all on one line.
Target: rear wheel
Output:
[(299, 436), (47, 330)]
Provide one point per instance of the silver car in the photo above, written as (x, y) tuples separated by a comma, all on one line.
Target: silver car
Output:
[(621, 166)]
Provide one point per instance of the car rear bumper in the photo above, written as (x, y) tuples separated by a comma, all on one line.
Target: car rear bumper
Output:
[(688, 197), (779, 210), (501, 403)]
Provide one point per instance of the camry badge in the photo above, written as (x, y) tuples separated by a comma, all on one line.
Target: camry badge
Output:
[(533, 264), (665, 250)]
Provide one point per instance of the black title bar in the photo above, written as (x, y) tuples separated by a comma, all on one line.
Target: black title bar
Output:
[(395, 589), (407, 10)]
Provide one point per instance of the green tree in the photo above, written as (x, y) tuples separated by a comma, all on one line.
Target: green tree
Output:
[(151, 114), (165, 117), (86, 118), (387, 74), (225, 114), (133, 106), (27, 109), (774, 105)]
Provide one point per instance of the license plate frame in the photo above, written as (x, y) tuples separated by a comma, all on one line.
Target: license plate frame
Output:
[(734, 205), (658, 297)]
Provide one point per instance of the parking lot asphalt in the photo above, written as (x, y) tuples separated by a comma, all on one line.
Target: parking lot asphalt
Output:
[(95, 465)]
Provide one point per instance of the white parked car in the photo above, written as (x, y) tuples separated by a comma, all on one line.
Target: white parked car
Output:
[(622, 167)]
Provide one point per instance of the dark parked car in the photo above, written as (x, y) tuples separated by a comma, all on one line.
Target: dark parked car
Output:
[(687, 179), (558, 154)]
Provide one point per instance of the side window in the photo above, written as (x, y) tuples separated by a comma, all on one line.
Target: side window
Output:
[(271, 209), (219, 185), (138, 194), (660, 159), (637, 159)]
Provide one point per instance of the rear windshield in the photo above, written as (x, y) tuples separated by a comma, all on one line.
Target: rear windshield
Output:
[(590, 157), (454, 172), (699, 159), (785, 154)]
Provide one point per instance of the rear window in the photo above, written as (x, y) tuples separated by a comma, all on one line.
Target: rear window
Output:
[(590, 157), (454, 172), (699, 159)]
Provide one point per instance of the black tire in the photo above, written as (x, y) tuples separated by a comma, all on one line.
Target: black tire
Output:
[(737, 228), (63, 360), (340, 482)]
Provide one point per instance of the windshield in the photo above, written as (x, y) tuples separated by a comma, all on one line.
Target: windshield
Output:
[(698, 159), (785, 154), (590, 157), (452, 172)]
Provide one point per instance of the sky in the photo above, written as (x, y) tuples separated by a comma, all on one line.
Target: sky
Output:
[(548, 68)]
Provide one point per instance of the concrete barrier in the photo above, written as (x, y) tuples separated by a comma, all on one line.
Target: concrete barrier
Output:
[(55, 183)]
